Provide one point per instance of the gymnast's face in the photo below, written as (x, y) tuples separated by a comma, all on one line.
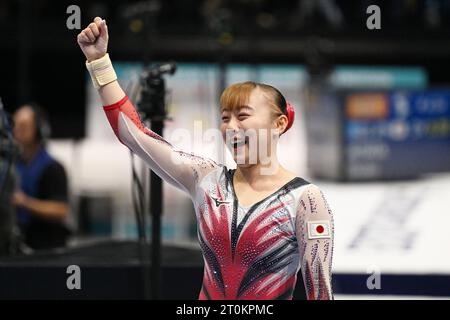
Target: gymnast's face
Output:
[(250, 130)]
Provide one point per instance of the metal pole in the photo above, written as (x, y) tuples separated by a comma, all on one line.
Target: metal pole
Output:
[(156, 199)]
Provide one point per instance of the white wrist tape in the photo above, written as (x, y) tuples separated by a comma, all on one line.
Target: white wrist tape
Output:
[(101, 71)]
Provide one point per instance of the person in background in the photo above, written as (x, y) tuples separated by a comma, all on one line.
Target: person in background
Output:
[(42, 201)]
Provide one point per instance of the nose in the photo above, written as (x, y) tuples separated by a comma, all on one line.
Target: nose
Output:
[(233, 124)]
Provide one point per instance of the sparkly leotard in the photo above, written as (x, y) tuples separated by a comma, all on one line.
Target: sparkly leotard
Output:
[(250, 252)]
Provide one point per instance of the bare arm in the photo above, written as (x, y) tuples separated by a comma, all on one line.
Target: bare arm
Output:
[(47, 209)]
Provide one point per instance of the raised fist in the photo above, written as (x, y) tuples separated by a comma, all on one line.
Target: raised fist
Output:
[(93, 40)]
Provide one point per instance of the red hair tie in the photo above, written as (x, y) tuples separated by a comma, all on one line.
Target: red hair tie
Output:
[(290, 115)]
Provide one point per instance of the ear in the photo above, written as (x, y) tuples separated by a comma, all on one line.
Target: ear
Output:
[(281, 123)]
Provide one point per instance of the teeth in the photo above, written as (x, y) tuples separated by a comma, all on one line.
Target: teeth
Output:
[(237, 143)]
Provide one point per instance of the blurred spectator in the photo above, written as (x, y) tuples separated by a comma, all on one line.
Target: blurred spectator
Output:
[(328, 10), (42, 202)]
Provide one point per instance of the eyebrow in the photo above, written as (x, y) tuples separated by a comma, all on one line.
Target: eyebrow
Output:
[(246, 107), (240, 108)]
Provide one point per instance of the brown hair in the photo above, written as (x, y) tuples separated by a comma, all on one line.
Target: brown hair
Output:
[(238, 94)]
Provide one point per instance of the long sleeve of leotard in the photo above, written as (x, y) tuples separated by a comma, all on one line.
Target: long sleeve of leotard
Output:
[(181, 169), (315, 234)]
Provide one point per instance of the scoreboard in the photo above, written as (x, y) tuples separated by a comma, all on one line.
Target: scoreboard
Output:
[(378, 134)]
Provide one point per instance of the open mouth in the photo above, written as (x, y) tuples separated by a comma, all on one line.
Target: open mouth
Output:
[(237, 143)]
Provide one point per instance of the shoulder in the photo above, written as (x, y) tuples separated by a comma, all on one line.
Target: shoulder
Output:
[(53, 183), (212, 177), (313, 199), (312, 189), (54, 168), (55, 165)]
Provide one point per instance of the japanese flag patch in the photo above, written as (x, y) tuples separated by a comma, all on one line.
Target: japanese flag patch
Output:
[(319, 229)]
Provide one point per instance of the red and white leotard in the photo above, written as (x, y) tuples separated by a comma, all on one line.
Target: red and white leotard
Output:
[(249, 252)]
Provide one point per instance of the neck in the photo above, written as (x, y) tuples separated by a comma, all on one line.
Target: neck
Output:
[(259, 171), (30, 151)]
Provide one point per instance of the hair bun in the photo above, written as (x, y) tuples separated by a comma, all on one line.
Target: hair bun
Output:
[(290, 114)]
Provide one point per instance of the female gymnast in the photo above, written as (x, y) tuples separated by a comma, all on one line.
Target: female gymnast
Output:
[(256, 229)]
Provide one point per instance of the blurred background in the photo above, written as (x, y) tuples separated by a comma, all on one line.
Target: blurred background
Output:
[(372, 128)]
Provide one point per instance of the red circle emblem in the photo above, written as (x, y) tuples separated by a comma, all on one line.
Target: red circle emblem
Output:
[(320, 229)]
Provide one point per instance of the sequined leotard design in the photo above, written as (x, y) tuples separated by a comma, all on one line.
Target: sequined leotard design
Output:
[(249, 252)]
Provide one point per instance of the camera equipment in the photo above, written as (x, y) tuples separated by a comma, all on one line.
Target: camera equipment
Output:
[(8, 152), (153, 92), (152, 106)]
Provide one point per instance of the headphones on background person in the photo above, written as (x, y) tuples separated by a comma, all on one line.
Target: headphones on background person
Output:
[(42, 124)]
